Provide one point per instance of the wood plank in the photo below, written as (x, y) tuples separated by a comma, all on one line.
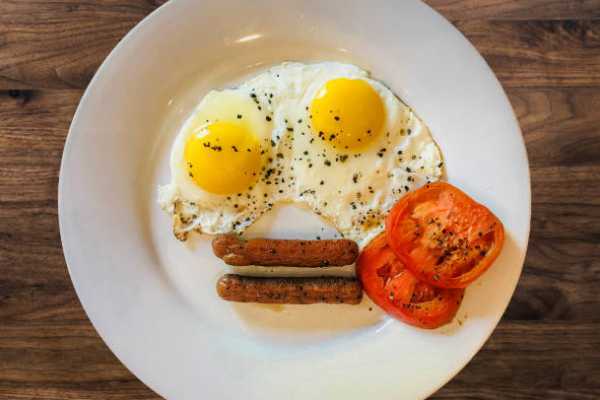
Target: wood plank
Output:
[(60, 44), (516, 9), (562, 269), (33, 127), (561, 126), (62, 360), (538, 53), (131, 389), (34, 284), (532, 360)]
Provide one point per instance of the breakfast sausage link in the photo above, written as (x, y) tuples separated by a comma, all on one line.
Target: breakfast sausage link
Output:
[(247, 289), (292, 253)]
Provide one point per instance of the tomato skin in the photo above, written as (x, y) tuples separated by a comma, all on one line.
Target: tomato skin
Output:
[(399, 293), (444, 237)]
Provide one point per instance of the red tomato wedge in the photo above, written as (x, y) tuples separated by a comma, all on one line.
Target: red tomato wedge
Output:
[(396, 290), (444, 237)]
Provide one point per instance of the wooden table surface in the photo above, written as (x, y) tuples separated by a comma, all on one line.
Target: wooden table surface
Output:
[(546, 53)]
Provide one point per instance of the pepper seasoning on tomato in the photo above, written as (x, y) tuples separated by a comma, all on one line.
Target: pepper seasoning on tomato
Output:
[(399, 293), (444, 237)]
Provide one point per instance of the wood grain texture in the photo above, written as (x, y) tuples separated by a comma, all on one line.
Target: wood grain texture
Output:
[(538, 53), (562, 133), (547, 55), (516, 9), (532, 360), (59, 44)]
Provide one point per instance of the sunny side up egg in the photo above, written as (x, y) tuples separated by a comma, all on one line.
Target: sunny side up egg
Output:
[(322, 135)]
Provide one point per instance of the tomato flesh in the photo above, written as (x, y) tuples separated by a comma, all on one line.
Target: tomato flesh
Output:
[(399, 293), (444, 237)]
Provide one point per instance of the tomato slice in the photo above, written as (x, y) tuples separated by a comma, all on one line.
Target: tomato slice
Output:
[(399, 293), (443, 236)]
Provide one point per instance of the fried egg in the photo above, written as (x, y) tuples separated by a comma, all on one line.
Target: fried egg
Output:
[(216, 163), (322, 135)]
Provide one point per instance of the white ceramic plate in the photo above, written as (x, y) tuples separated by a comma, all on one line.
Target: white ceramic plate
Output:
[(152, 299)]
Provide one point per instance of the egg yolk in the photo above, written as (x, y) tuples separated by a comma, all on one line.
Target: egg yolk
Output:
[(349, 113), (223, 158)]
